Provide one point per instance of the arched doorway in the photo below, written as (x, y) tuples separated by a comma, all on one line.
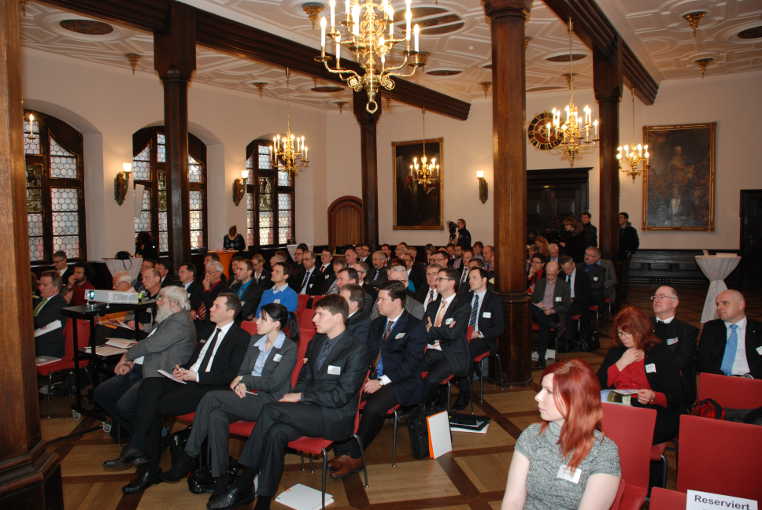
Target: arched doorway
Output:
[(345, 221)]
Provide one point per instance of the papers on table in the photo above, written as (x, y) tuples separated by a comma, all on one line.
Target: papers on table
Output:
[(122, 343), (699, 500), (301, 497), (45, 360), (105, 350), (51, 326), (170, 376)]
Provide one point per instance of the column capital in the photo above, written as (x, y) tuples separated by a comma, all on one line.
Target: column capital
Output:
[(175, 48), (500, 8)]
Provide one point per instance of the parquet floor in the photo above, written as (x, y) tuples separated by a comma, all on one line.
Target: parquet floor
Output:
[(472, 477)]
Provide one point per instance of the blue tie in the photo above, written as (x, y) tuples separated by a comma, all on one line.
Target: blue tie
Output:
[(380, 364), (730, 351)]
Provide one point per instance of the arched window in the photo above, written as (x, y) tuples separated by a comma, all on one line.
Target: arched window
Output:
[(55, 200), (269, 198), (149, 169)]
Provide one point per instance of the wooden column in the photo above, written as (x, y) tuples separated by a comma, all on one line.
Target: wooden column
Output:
[(607, 69), (509, 155), (369, 166), (30, 476), (175, 61)]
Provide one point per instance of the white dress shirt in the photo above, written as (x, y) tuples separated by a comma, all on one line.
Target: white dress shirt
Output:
[(196, 367)]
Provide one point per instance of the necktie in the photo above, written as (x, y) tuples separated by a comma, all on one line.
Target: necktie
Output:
[(440, 313), (380, 364), (304, 281), (730, 351), (208, 356), (474, 311), (325, 350), (431, 297), (39, 306)]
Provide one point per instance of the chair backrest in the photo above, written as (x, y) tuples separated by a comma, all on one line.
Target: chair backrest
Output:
[(665, 499), (302, 300), (632, 429), (83, 337), (720, 456), (359, 399), (730, 392), (249, 326), (305, 318), (305, 337), (469, 333)]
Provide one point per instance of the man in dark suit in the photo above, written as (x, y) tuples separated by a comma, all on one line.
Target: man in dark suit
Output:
[(187, 275), (164, 267), (377, 274), (327, 275), (323, 404), (550, 302), (593, 259), (464, 268), (214, 364), (261, 276), (679, 337), (581, 295), (358, 321), (487, 322), (395, 351), (429, 293), (61, 266), (732, 344), (246, 289), (310, 279), (446, 323), (48, 320)]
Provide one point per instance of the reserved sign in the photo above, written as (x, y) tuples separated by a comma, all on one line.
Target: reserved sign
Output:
[(698, 500)]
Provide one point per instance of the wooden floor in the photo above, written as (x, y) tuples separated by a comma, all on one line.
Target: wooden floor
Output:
[(471, 477)]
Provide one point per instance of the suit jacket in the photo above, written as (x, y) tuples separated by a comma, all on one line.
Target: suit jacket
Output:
[(170, 343), (596, 277), (583, 294), (358, 325), (418, 275), (314, 284), (275, 380), (52, 342), (713, 341), (377, 276), (194, 291), (491, 320), (561, 295), (170, 279), (679, 338), (452, 333), (250, 299), (226, 361), (402, 355), (263, 282), (295, 277), (334, 386)]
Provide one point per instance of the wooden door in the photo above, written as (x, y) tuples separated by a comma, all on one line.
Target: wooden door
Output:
[(750, 269), (345, 221), (554, 194)]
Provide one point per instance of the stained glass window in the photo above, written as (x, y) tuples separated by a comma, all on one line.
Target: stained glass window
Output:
[(270, 198)]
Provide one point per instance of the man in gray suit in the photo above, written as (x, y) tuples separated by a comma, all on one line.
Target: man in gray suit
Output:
[(170, 343), (412, 305), (550, 302)]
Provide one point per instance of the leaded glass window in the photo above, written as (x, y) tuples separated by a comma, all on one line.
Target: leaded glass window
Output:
[(269, 198)]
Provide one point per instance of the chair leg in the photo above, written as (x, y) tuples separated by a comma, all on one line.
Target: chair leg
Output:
[(324, 476), (394, 439), (301, 460), (362, 458)]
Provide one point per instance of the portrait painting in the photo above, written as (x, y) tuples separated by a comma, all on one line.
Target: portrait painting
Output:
[(417, 201), (679, 182)]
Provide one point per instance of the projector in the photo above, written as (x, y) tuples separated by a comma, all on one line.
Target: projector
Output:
[(112, 296)]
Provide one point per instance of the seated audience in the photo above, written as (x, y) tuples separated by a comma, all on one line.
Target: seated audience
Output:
[(387, 250), (596, 275), (165, 270), (122, 282), (732, 344), (337, 265), (466, 258), (489, 258), (362, 273), (679, 337), (543, 247), (211, 286), (246, 289), (261, 275), (377, 274), (280, 292), (593, 258), (429, 292), (478, 249), (395, 351), (234, 240), (264, 377), (187, 275), (550, 303), (358, 320), (350, 257), (412, 305), (322, 404), (640, 361), (77, 284), (49, 322), (581, 298), (326, 270), (554, 252), (310, 282), (363, 252), (572, 241), (61, 265), (564, 461), (536, 271)]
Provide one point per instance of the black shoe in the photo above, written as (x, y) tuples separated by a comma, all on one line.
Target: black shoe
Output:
[(201, 481), (147, 476), (183, 465), (231, 498), (128, 458)]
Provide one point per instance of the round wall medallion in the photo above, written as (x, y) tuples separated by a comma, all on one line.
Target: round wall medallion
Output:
[(537, 132)]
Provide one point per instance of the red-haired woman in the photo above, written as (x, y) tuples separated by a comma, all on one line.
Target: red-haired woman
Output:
[(565, 462), (639, 361)]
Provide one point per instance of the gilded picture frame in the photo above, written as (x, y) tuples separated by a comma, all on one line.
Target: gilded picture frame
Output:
[(679, 182), (417, 207)]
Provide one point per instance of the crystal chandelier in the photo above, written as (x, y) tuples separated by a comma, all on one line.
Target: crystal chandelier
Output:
[(635, 156), (369, 33), (289, 151), (424, 172), (576, 133)]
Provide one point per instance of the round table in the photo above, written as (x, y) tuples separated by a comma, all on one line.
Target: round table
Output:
[(716, 269)]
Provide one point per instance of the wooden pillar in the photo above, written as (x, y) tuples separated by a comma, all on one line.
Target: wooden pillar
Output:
[(607, 80), (509, 155), (30, 476), (175, 61), (369, 166)]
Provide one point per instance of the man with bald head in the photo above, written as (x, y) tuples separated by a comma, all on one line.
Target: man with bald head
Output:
[(678, 336), (550, 303), (732, 344)]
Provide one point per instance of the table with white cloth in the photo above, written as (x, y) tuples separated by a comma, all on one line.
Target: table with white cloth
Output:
[(716, 269)]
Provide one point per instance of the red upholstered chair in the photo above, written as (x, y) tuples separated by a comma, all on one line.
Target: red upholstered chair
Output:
[(250, 327), (304, 319), (730, 392), (302, 300), (67, 362), (392, 412), (665, 499), (720, 456), (479, 359), (628, 497)]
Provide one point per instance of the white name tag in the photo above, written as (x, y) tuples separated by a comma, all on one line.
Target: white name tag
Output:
[(399, 335), (277, 357), (449, 321), (334, 370), (595, 278), (650, 368), (559, 299), (564, 473), (672, 341), (487, 315), (276, 301), (759, 350)]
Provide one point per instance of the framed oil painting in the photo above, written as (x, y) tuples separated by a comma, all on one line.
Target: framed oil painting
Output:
[(679, 183), (417, 206)]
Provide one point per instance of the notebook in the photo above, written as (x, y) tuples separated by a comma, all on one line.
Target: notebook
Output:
[(301, 497)]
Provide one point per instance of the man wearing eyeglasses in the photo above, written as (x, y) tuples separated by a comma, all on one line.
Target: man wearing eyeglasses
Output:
[(678, 336)]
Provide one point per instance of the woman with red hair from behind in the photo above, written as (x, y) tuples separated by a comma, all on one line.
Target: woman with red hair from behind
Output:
[(565, 462), (639, 361)]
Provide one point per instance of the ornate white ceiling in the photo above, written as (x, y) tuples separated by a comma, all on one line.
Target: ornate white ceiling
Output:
[(654, 29)]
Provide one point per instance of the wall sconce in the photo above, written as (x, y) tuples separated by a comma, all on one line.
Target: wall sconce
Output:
[(239, 187), (122, 183), (483, 190)]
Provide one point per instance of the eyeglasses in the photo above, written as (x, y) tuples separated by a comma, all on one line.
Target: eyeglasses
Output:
[(662, 296)]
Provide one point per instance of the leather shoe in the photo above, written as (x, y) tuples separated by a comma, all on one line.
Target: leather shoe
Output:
[(183, 465), (349, 466), (201, 481), (128, 458), (147, 476), (232, 497), (336, 463)]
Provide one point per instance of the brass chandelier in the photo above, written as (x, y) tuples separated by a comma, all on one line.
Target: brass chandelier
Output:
[(634, 156), (424, 172), (289, 151), (368, 31), (576, 132)]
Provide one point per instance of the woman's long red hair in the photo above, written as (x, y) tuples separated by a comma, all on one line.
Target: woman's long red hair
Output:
[(577, 393)]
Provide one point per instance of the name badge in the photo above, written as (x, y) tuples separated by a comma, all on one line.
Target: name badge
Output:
[(334, 370), (595, 278), (672, 341), (759, 350), (304, 362), (449, 321), (650, 368), (564, 473), (559, 299), (277, 357), (487, 315), (399, 335), (326, 276), (276, 301)]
